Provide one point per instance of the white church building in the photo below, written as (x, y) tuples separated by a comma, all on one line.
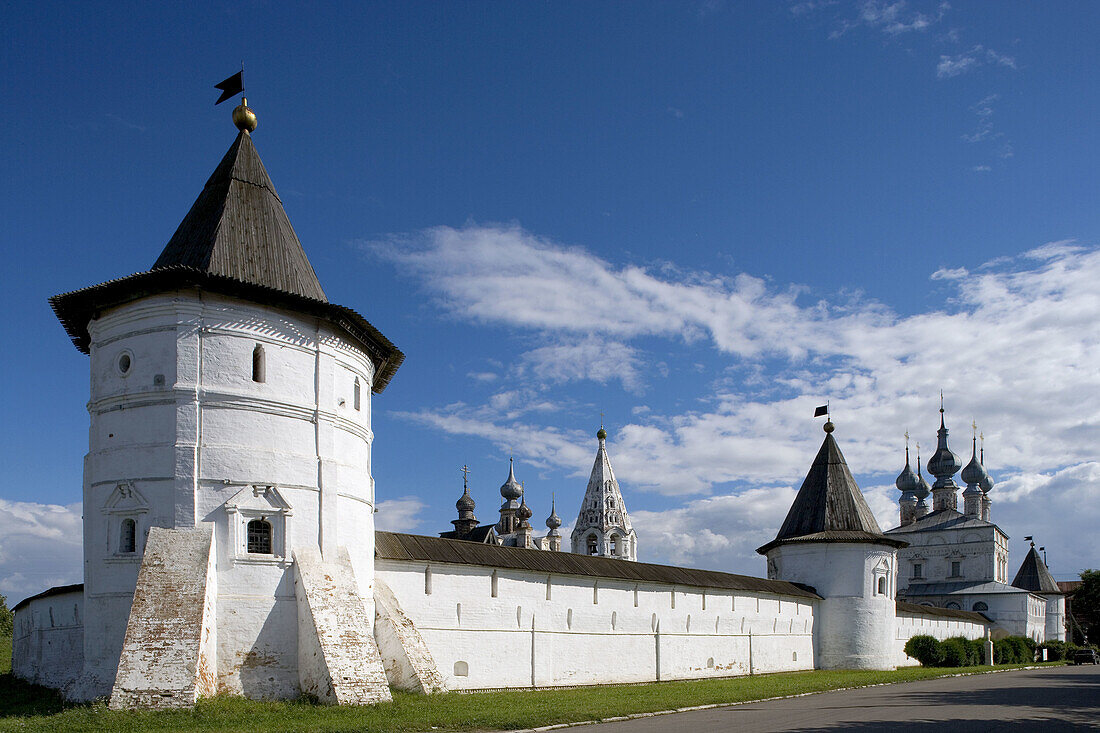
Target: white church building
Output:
[(229, 536)]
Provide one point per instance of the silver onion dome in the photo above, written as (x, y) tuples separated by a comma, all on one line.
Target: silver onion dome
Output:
[(553, 521), (510, 489)]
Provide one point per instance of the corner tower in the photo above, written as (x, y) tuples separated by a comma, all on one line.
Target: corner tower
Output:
[(227, 394), (603, 526), (831, 541)]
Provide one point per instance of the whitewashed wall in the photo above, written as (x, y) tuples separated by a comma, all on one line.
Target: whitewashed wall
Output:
[(982, 554), (48, 640), (186, 429), (546, 630), (855, 622), (910, 625)]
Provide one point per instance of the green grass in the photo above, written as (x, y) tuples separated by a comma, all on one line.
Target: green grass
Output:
[(27, 708)]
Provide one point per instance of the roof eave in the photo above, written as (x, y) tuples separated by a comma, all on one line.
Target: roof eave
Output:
[(76, 308)]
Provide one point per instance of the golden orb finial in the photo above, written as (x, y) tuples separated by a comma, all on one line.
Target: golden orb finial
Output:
[(829, 427), (243, 116)]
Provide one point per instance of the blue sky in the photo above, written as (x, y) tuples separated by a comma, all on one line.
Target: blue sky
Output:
[(700, 219)]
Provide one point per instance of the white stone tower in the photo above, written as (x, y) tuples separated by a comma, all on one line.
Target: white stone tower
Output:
[(603, 525), (831, 541), (231, 406)]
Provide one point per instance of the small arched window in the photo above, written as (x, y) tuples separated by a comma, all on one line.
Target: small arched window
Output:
[(981, 606), (882, 586), (614, 544), (259, 365), (462, 669), (259, 537), (952, 605), (357, 394), (592, 546), (127, 541)]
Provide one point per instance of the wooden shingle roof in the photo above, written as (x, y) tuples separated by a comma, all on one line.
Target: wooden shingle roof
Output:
[(237, 228), (1034, 575), (830, 507), (237, 241), (397, 546)]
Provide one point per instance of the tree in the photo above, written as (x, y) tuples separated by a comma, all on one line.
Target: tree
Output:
[(7, 618), (1086, 605)]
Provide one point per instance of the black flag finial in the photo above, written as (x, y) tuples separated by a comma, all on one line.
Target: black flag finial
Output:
[(230, 87), (823, 410)]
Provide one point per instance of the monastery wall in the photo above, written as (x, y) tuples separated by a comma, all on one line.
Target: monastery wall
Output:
[(48, 639), (916, 624), (488, 628)]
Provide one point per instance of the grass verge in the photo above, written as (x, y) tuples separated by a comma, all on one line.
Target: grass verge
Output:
[(28, 708)]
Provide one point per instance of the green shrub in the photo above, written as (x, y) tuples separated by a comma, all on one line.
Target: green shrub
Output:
[(957, 652), (978, 645), (1025, 648), (925, 649), (1004, 652), (1056, 650)]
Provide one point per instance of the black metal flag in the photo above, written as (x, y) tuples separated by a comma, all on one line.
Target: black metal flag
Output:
[(823, 410), (232, 86)]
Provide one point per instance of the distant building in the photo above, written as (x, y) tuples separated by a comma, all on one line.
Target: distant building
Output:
[(959, 560)]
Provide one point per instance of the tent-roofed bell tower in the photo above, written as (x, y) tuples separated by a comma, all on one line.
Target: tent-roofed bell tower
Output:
[(831, 541), (227, 394), (603, 526)]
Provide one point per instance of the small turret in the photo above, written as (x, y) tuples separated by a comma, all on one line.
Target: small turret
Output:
[(511, 490), (973, 476), (907, 484), (553, 522), (523, 525), (944, 465), (922, 491), (466, 521)]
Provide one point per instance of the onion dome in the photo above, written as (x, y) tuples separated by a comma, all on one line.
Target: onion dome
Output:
[(465, 502), (511, 490), (923, 489), (907, 480), (943, 464), (601, 434), (553, 521), (524, 512), (974, 472)]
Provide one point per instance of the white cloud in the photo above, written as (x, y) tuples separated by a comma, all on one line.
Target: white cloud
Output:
[(595, 359), (1013, 343), (40, 547), (399, 515), (954, 65), (892, 18)]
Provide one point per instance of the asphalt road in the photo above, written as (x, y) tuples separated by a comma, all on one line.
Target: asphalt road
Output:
[(1052, 699)]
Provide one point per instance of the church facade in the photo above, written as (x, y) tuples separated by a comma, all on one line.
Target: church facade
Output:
[(229, 538)]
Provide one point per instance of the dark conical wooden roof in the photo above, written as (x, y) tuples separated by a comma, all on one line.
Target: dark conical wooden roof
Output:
[(237, 228), (237, 241), (1034, 575), (830, 507)]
